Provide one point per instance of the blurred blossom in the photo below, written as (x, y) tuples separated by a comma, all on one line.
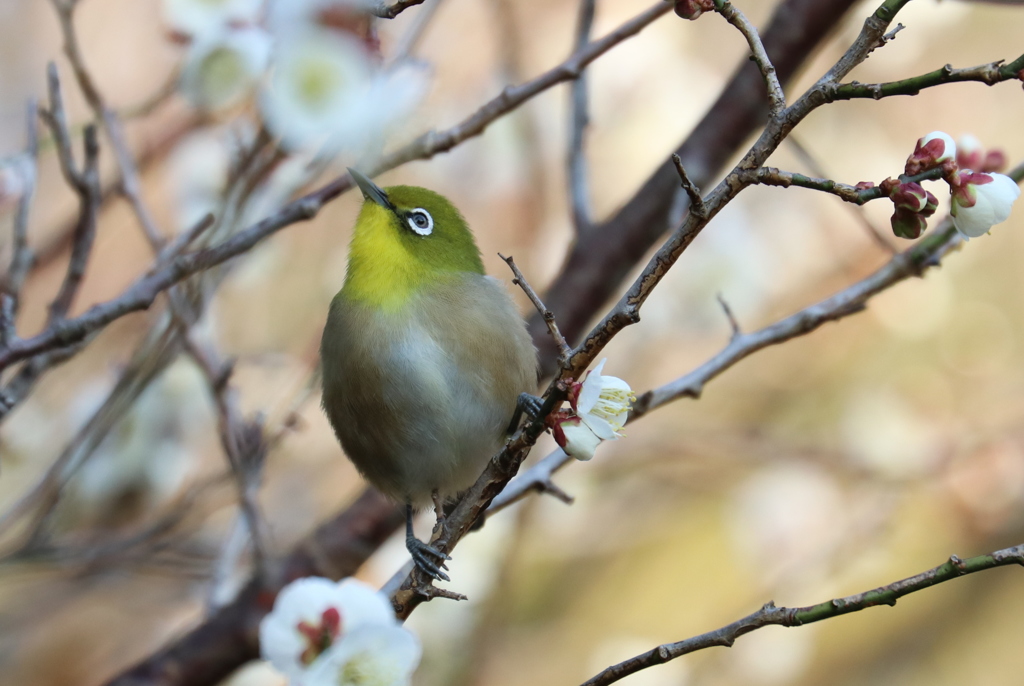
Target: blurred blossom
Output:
[(885, 434), (773, 655), (969, 152), (325, 93), (981, 201), (787, 514), (148, 454), (199, 167), (196, 17), (322, 633), (223, 67), (989, 482), (16, 173)]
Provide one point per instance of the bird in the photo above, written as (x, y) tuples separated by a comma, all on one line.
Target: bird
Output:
[(426, 359)]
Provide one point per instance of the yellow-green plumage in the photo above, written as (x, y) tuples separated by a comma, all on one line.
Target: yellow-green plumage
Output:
[(424, 356)]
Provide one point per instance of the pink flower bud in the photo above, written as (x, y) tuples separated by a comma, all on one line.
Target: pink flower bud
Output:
[(909, 196), (691, 9), (995, 160), (981, 200), (908, 224), (931, 151), (969, 152)]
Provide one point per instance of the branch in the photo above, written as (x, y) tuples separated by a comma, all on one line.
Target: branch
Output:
[(989, 74), (597, 264), (144, 291), (798, 616), (546, 314), (386, 11), (21, 254), (576, 163), (770, 176), (130, 185), (776, 97)]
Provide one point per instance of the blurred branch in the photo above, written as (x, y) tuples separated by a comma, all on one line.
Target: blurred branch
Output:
[(392, 10), (873, 232), (21, 253), (144, 291), (411, 38), (579, 195), (230, 638), (435, 142), (798, 616), (130, 186)]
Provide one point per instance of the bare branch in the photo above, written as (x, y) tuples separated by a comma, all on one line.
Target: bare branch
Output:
[(770, 176), (733, 324), (545, 313), (130, 184), (434, 142), (776, 96), (21, 254), (696, 201), (798, 616), (576, 163)]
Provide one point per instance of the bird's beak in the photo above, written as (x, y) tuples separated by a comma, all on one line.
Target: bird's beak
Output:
[(371, 191)]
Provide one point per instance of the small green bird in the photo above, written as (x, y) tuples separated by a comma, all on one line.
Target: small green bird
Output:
[(424, 356)]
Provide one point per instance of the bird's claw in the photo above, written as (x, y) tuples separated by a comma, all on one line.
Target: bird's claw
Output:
[(530, 404), (421, 556)]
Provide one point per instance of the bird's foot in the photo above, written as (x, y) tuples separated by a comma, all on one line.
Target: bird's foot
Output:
[(525, 403), (439, 513), (424, 556)]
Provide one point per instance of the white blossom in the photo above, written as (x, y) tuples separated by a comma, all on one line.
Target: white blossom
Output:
[(368, 656), (325, 92), (196, 17), (223, 67), (603, 403), (576, 439), (948, 151), (313, 615), (981, 201)]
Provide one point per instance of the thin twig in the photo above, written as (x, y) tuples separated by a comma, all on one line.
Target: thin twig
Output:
[(770, 176), (696, 201), (545, 313), (873, 232), (130, 185), (21, 254), (579, 119), (733, 324), (798, 616), (776, 96)]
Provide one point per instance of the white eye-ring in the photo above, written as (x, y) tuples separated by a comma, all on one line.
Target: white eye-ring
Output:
[(420, 221)]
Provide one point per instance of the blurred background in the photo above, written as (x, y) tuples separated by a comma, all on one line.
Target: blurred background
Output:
[(865, 452)]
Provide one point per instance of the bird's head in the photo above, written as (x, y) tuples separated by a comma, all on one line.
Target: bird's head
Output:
[(405, 238)]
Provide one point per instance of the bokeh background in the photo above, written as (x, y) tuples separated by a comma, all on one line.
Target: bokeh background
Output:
[(865, 452)]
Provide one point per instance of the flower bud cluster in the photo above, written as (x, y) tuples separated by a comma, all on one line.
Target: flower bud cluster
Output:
[(980, 199), (600, 406)]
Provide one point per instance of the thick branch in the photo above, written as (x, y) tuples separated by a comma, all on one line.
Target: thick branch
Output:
[(798, 616)]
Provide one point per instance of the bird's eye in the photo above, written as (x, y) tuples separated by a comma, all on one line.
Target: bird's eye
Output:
[(420, 221)]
